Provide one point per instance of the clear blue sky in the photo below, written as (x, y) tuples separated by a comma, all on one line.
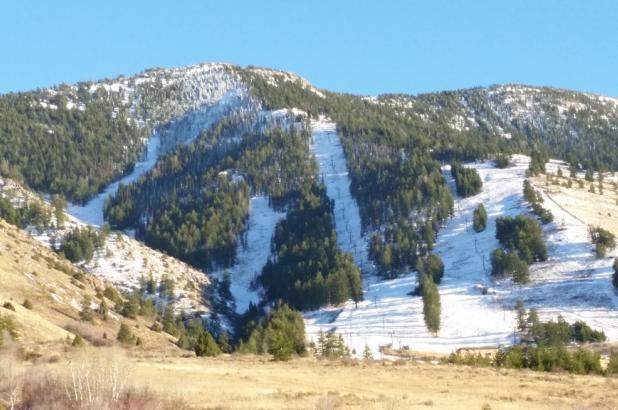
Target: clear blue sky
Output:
[(363, 47)]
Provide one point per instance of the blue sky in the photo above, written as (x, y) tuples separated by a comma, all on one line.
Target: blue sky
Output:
[(363, 47)]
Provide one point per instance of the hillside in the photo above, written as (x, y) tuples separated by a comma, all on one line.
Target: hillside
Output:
[(56, 292), (120, 260), (249, 188)]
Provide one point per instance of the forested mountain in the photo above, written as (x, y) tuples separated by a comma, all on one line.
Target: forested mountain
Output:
[(75, 139), (194, 203), (229, 133), (574, 126)]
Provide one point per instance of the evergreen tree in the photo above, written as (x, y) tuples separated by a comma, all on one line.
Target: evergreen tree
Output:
[(206, 345), (125, 335), (168, 321), (522, 235), (147, 308), (508, 264), (429, 235), (224, 342), (431, 303), (279, 345), (131, 307), (59, 203), (434, 267), (521, 316), (281, 330), (367, 354), (603, 240), (86, 314), (479, 219), (331, 345)]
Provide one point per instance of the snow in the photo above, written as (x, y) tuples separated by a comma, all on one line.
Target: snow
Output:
[(122, 261), (181, 131), (326, 146), (572, 283), (92, 212), (252, 252)]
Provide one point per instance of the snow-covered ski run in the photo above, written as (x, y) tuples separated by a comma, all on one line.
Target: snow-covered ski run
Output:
[(477, 311)]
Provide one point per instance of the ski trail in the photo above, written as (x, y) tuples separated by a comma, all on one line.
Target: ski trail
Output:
[(476, 310), (253, 254), (328, 151), (179, 131)]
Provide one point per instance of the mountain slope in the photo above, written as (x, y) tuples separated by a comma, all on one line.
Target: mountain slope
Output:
[(220, 139), (29, 271)]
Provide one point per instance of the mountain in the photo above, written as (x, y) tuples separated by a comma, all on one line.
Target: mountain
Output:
[(262, 190)]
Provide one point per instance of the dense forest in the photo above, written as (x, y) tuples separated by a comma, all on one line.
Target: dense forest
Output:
[(194, 203), (402, 195), (74, 151), (467, 180), (307, 270)]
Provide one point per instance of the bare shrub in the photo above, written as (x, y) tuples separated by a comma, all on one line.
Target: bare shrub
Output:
[(328, 402), (95, 378), (87, 333), (11, 377)]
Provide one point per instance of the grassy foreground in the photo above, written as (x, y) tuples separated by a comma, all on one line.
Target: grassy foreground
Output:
[(249, 382)]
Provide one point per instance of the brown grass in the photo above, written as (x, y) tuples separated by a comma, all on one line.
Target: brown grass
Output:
[(28, 271), (86, 380), (591, 208), (245, 382)]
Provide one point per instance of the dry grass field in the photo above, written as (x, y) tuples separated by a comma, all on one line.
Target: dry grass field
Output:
[(591, 208), (248, 382)]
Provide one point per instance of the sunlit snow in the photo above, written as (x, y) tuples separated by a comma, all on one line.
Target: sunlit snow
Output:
[(572, 282)]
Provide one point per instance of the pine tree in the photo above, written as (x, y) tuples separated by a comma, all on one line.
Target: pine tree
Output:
[(59, 203), (367, 354), (168, 321), (124, 334), (224, 342), (279, 345), (479, 219), (86, 314), (131, 306), (429, 235), (431, 303), (147, 308), (536, 330), (521, 315), (206, 345), (434, 267)]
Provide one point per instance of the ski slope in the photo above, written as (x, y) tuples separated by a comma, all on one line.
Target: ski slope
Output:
[(92, 212), (572, 282), (326, 147), (252, 252), (180, 131)]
